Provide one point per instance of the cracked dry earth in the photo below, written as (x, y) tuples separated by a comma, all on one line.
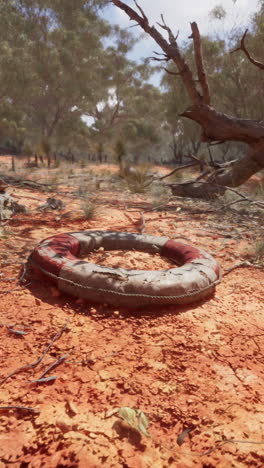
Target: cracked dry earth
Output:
[(198, 367)]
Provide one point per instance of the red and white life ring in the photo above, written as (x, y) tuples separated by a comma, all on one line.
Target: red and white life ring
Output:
[(60, 259)]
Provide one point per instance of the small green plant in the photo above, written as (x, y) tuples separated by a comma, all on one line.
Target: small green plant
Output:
[(135, 418), (132, 416), (138, 178), (88, 208)]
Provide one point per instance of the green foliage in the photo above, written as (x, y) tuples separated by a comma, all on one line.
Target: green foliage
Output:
[(218, 12), (52, 61)]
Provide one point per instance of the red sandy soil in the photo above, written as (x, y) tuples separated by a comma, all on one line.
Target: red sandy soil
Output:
[(199, 366)]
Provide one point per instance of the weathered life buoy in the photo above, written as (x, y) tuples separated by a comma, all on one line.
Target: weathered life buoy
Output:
[(60, 259)]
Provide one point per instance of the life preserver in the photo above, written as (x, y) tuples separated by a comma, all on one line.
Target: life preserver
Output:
[(60, 259)]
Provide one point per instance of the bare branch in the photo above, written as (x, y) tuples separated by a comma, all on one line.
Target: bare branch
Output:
[(179, 169), (170, 49), (158, 53), (171, 37), (171, 72), (246, 52), (200, 64), (141, 11), (159, 59)]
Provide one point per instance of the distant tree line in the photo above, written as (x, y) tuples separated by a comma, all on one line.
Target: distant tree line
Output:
[(62, 65)]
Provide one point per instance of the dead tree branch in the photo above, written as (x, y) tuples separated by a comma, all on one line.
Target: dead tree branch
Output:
[(200, 64), (246, 52), (179, 169), (170, 49)]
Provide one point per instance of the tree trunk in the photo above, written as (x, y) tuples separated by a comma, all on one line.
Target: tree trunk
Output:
[(217, 126), (13, 164)]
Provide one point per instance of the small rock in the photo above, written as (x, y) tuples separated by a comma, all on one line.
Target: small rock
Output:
[(40, 399), (104, 375), (80, 322), (75, 435), (64, 424), (101, 249), (72, 407)]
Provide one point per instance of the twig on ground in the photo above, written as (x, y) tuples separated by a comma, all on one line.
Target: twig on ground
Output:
[(34, 364), (245, 263), (24, 272), (142, 225), (227, 441), (13, 289), (22, 408), (7, 279), (51, 367)]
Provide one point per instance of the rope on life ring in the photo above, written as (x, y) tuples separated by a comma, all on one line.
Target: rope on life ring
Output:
[(59, 258)]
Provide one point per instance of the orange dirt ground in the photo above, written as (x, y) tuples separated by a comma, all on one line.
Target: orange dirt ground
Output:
[(198, 367)]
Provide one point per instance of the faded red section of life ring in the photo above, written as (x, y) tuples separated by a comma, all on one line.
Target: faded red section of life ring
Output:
[(52, 253), (181, 253)]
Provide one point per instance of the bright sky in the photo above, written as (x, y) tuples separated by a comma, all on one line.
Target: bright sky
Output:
[(179, 13)]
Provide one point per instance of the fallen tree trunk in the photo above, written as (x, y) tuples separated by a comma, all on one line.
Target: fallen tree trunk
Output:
[(234, 176)]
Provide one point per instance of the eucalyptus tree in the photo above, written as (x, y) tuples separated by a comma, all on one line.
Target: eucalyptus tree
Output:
[(53, 61), (129, 114)]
